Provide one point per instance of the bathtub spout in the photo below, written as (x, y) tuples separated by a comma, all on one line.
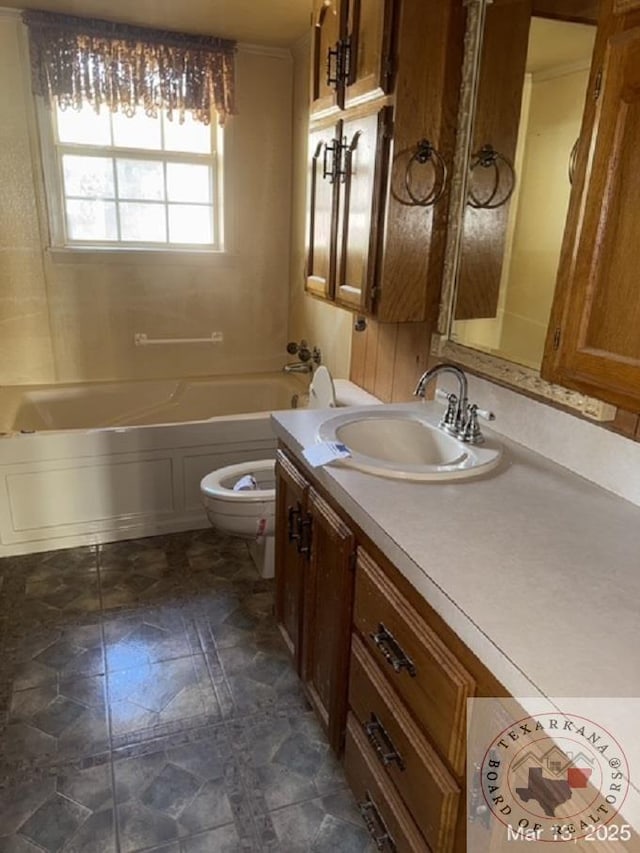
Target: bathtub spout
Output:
[(298, 367)]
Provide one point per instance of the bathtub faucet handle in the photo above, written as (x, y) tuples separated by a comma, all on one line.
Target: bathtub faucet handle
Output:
[(304, 353)]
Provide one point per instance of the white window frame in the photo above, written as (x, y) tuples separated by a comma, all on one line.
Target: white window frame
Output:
[(52, 152)]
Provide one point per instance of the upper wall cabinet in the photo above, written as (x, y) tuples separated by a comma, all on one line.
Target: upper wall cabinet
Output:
[(351, 52), (593, 343), (385, 171), (326, 85)]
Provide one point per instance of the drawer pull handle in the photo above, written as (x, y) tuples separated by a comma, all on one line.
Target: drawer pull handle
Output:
[(392, 651), (293, 522), (375, 825), (304, 535), (382, 743)]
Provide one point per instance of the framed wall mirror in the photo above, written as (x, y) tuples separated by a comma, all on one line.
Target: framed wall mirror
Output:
[(526, 79)]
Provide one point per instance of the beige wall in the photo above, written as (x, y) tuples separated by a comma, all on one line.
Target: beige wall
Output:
[(25, 344), (552, 108), (555, 115), (70, 321), (321, 324)]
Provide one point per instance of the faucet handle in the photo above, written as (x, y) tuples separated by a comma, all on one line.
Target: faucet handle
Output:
[(485, 414)]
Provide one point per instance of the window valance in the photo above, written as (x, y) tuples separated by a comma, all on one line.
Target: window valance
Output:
[(78, 60)]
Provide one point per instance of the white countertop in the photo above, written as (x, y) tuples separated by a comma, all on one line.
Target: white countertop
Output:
[(536, 569)]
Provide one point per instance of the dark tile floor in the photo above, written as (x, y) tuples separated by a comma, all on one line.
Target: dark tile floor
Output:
[(147, 703)]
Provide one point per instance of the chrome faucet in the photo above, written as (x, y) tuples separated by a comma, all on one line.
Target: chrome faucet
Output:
[(308, 357), (460, 419), (298, 367)]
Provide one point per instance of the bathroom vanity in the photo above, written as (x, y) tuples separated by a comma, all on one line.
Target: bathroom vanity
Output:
[(400, 600)]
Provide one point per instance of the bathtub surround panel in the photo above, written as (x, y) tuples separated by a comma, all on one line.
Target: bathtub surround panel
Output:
[(134, 462), (60, 488), (64, 321)]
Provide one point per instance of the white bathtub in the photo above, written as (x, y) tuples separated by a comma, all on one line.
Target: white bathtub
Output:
[(81, 464)]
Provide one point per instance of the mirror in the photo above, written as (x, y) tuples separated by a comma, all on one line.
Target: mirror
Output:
[(530, 87)]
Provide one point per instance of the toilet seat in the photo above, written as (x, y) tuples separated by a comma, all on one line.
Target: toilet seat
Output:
[(322, 393), (220, 483)]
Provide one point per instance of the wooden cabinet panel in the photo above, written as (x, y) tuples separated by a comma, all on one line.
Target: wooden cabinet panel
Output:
[(595, 346), (429, 792), (432, 682), (327, 29), (497, 119), (322, 200), (369, 40), (387, 818), (291, 507), (426, 90), (327, 617), (365, 155)]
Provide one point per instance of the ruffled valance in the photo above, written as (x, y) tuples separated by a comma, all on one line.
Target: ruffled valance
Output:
[(78, 60)]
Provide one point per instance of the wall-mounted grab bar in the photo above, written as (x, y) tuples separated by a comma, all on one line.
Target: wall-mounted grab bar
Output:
[(141, 340)]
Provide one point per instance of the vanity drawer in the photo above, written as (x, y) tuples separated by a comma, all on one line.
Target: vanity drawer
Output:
[(402, 751), (428, 677), (386, 817)]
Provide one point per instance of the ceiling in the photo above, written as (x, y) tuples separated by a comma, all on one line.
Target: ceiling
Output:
[(276, 23), (558, 44)]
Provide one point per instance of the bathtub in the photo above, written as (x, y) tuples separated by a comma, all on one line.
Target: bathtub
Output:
[(97, 462), (82, 464)]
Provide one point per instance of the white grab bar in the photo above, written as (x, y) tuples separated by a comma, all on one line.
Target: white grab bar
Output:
[(141, 339)]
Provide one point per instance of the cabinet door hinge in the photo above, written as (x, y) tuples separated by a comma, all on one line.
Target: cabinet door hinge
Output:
[(597, 85), (387, 71), (556, 338)]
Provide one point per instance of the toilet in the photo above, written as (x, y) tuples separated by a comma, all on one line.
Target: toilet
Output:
[(240, 500)]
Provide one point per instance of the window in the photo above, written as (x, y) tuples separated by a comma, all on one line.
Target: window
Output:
[(133, 182)]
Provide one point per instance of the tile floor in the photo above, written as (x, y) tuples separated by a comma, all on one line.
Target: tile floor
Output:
[(147, 703)]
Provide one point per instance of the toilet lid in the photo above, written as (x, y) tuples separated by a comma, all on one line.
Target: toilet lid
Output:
[(322, 394), (219, 484)]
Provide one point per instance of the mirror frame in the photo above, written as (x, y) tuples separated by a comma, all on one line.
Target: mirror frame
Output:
[(516, 376)]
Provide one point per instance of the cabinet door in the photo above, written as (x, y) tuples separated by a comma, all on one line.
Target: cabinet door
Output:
[(327, 85), (593, 343), (369, 46), (327, 617), (322, 201), (291, 508), (365, 155)]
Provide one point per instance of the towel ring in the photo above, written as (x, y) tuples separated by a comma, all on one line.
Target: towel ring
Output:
[(488, 158), (423, 154), (573, 159)]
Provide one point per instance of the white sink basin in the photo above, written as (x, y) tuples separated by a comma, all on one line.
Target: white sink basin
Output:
[(405, 442)]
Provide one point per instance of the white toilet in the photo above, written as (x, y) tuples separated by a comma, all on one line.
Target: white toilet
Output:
[(249, 511)]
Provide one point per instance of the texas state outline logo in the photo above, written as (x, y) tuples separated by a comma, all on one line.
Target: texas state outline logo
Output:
[(556, 777)]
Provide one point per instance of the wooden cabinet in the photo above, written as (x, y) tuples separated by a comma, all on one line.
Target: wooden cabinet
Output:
[(327, 617), (593, 343), (291, 545), (351, 56), (431, 681), (327, 28), (322, 200), (348, 163), (314, 593), (388, 680), (382, 251)]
